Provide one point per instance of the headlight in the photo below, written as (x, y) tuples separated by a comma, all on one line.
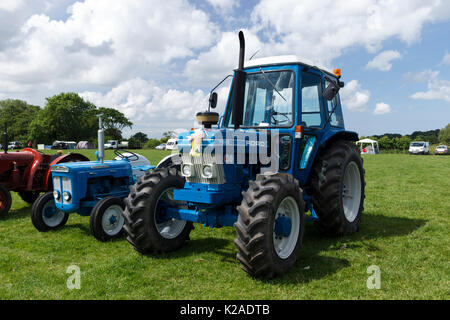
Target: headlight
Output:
[(66, 196), (207, 171), (56, 195), (186, 170), (55, 168)]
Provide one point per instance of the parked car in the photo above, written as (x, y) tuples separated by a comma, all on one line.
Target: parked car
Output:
[(442, 149), (114, 144), (171, 144), (419, 147), (60, 145), (162, 146), (15, 145)]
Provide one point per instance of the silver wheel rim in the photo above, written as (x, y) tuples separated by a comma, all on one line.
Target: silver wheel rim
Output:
[(284, 246), (172, 228), (351, 191), (55, 219), (112, 220)]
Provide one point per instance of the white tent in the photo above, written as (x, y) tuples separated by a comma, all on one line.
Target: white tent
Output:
[(367, 146)]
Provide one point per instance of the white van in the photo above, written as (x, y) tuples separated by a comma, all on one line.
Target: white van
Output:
[(419, 147), (171, 144)]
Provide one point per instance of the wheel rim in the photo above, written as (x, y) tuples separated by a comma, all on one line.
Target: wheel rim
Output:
[(51, 216), (284, 246), (171, 228), (112, 220), (351, 191)]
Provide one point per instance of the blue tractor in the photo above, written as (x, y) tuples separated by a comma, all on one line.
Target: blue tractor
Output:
[(280, 106), (90, 188)]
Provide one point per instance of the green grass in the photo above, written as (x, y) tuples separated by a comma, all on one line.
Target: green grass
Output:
[(404, 231)]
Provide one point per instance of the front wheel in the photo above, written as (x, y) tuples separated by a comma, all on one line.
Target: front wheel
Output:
[(106, 221), (149, 227), (44, 214), (270, 226), (5, 200)]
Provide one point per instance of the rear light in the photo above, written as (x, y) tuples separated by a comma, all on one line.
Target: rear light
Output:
[(298, 132)]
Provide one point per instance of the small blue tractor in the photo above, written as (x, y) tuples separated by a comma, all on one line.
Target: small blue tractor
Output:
[(279, 105), (91, 188)]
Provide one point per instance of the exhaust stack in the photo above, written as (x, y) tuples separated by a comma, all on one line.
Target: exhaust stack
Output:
[(5, 139), (101, 140), (239, 86)]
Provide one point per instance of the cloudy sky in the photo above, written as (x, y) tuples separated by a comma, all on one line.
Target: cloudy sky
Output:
[(156, 61)]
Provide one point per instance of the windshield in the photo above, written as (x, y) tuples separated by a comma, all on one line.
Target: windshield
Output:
[(416, 144), (268, 99)]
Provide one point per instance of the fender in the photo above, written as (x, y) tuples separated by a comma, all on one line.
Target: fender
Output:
[(341, 135), (169, 160), (38, 157), (70, 157)]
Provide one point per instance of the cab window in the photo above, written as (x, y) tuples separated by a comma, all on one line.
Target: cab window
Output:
[(312, 100)]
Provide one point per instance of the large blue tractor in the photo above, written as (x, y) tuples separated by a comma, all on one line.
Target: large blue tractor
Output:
[(90, 188), (280, 106)]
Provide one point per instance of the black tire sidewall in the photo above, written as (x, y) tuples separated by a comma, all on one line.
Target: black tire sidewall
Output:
[(171, 181), (281, 266), (95, 220), (8, 199), (37, 213)]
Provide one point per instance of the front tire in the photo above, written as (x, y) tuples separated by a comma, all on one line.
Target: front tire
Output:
[(44, 214), (270, 225), (106, 221), (338, 185), (146, 228), (5, 200)]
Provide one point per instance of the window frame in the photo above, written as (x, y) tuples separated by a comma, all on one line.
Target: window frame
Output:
[(321, 100)]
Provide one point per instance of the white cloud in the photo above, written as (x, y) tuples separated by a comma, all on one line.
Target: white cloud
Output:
[(383, 60), (437, 90), (224, 6), (422, 76), (324, 29), (354, 97), (11, 5), (446, 59), (382, 108)]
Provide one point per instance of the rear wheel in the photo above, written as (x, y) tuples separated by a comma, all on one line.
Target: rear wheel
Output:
[(5, 200), (106, 221), (338, 184), (270, 226), (44, 214), (147, 225), (29, 196)]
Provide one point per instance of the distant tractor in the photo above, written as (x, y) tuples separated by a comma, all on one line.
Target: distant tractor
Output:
[(282, 106), (93, 188), (27, 172)]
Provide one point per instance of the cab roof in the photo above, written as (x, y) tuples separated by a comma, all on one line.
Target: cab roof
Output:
[(281, 60)]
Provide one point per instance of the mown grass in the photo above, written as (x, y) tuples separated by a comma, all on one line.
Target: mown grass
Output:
[(405, 231)]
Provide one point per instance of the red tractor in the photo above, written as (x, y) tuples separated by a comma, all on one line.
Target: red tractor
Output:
[(27, 172)]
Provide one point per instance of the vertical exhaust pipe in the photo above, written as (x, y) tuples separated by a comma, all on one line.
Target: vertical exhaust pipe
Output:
[(101, 140), (239, 86), (5, 139)]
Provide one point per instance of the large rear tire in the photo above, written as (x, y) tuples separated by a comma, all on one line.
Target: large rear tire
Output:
[(145, 226), (337, 184), (270, 226), (5, 200)]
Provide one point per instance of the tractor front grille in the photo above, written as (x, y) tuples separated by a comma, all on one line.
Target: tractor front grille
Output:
[(197, 164)]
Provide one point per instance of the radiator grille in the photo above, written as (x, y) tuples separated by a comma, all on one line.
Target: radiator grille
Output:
[(198, 162)]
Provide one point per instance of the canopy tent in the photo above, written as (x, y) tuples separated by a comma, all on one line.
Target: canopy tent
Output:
[(367, 146), (85, 145)]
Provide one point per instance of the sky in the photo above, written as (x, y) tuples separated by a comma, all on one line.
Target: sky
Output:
[(156, 61)]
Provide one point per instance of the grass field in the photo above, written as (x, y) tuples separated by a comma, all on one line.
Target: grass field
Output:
[(404, 231)]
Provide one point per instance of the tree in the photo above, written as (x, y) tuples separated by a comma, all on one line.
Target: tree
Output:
[(114, 122), (152, 143), (168, 135), (17, 114), (137, 140), (444, 135)]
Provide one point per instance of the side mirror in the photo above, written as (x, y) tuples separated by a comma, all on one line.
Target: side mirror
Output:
[(331, 91), (213, 100)]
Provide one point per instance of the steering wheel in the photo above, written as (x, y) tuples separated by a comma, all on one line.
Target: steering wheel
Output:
[(281, 121), (119, 153)]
